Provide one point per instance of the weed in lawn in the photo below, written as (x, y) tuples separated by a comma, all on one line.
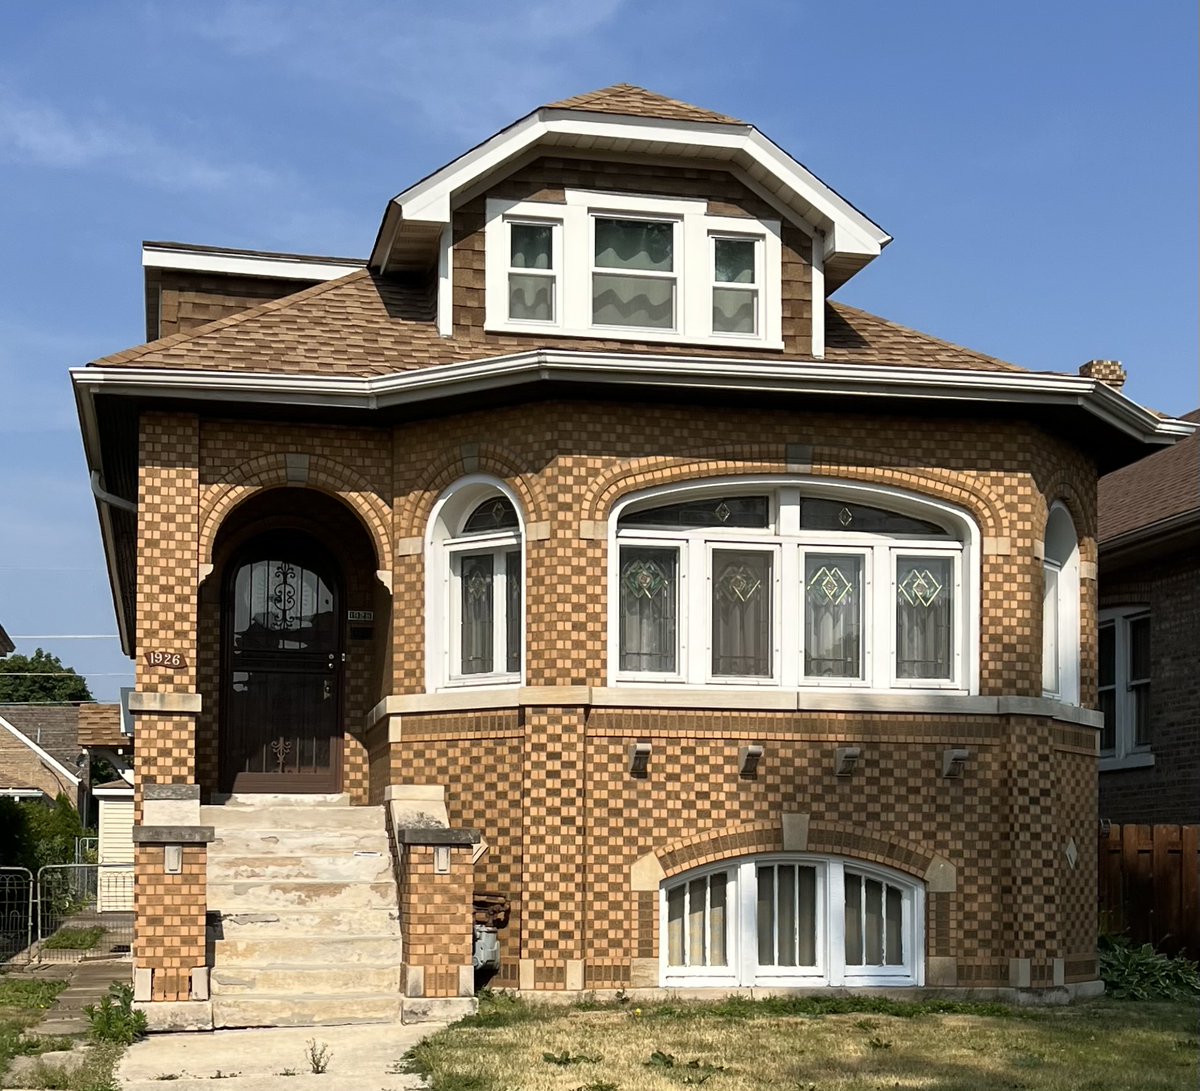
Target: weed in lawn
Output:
[(74, 939), (318, 1055), (169, 1076), (93, 1072), (22, 1001), (565, 1058), (597, 1085), (115, 1019), (875, 1042)]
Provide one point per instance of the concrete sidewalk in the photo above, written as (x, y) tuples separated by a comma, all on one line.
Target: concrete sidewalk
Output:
[(361, 1058)]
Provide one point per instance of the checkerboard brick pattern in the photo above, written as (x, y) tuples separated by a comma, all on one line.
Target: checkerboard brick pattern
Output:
[(168, 923), (549, 786), (435, 919)]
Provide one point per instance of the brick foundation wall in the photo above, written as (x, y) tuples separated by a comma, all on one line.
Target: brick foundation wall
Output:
[(436, 921), (1168, 791)]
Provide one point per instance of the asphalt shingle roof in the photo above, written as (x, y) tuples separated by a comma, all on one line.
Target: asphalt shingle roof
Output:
[(628, 99), (363, 324)]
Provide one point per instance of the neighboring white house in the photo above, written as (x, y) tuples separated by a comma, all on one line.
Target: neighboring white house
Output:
[(114, 885)]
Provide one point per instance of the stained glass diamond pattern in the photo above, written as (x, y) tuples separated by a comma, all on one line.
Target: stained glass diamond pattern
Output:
[(920, 587), (478, 584), (829, 584), (722, 512), (644, 579), (737, 582)]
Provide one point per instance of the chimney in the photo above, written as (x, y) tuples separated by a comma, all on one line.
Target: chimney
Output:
[(1107, 371)]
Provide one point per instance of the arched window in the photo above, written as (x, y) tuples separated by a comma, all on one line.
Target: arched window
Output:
[(814, 583), (1060, 608), (787, 920), (474, 621)]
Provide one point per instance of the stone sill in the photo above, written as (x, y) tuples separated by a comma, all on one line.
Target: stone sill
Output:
[(1110, 764), (173, 835), (711, 697), (418, 835)]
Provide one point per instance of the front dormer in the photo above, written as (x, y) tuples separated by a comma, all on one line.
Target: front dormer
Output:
[(623, 219)]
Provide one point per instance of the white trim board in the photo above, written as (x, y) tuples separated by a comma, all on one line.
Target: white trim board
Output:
[(46, 758), (246, 264)]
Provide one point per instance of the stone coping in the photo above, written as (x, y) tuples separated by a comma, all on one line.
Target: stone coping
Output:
[(474, 699), (173, 835), (171, 791), (434, 835)]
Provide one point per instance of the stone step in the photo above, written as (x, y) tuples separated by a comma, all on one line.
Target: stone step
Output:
[(289, 1010), (251, 895), (363, 865), (282, 799), (275, 819), (288, 949), (304, 979), (231, 842), (270, 924)]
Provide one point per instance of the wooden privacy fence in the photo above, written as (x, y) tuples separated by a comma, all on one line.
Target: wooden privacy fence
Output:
[(1150, 885)]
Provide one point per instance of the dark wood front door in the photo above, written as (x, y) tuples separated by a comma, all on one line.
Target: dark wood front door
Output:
[(281, 722)]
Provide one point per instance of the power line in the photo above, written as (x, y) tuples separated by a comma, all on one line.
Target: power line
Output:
[(63, 674), (68, 636)]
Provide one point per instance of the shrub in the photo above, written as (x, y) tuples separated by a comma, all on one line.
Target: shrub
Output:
[(1141, 973)]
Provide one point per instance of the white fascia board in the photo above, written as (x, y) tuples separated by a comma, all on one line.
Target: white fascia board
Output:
[(847, 230), (47, 759), (246, 265), (642, 369), (113, 793)]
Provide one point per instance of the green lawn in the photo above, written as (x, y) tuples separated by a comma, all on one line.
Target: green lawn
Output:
[(74, 939), (805, 1045), (23, 1002)]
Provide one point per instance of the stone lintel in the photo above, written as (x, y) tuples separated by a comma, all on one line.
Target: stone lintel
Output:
[(171, 791), (646, 872), (173, 835), (795, 832), (941, 877)]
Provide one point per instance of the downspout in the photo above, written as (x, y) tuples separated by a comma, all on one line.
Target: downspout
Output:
[(110, 498)]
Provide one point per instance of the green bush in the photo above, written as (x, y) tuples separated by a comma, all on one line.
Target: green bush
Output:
[(1141, 973), (115, 1019)]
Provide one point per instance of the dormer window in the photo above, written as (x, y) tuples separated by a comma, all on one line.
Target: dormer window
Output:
[(624, 267)]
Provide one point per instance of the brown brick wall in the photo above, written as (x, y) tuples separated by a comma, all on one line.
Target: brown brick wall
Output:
[(1169, 791), (168, 928), (435, 919), (545, 180)]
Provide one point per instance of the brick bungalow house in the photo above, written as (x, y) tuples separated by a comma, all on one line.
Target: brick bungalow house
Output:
[(576, 552), (1149, 641)]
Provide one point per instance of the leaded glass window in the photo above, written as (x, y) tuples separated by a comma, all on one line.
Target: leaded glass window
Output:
[(633, 281), (833, 615), (717, 511), (513, 621), (495, 513), (649, 589), (837, 515), (477, 587), (924, 618), (741, 613)]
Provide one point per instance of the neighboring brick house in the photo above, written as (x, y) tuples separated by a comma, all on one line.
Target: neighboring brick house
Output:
[(735, 636), (1149, 520), (39, 745)]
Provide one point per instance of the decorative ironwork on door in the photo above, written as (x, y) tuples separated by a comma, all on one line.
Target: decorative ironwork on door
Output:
[(281, 716)]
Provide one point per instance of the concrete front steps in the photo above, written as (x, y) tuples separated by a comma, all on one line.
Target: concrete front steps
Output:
[(303, 926)]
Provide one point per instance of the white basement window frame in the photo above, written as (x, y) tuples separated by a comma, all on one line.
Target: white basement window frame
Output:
[(721, 275), (784, 920), (664, 626)]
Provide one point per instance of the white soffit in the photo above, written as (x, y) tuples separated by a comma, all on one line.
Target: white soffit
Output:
[(248, 264), (848, 233)]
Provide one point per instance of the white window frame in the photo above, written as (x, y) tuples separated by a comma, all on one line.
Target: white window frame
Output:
[(692, 252), (1064, 642), (444, 543), (553, 274), (755, 287), (1126, 753), (694, 627), (831, 969)]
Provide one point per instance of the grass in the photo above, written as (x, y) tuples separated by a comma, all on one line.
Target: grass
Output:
[(806, 1044), (74, 939)]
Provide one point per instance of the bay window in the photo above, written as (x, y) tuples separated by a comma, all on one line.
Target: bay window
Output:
[(785, 919), (634, 268), (815, 584)]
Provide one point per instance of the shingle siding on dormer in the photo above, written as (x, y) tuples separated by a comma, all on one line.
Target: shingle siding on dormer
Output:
[(546, 179)]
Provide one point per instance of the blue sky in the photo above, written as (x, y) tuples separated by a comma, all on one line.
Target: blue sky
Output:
[(1036, 163)]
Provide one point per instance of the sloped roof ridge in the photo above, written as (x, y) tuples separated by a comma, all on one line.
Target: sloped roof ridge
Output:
[(629, 98), (282, 303), (1000, 365)]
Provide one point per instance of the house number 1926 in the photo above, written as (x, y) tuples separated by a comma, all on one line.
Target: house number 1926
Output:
[(159, 658)]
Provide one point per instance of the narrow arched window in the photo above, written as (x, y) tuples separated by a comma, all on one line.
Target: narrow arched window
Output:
[(474, 631), (1060, 608)]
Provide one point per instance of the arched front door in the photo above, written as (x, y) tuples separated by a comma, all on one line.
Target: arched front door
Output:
[(281, 722)]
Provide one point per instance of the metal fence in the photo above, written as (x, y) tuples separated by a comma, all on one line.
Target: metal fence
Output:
[(66, 913)]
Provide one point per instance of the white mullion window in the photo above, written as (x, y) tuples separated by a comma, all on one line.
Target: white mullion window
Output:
[(484, 591), (743, 608), (836, 586), (789, 936), (696, 930), (736, 284), (635, 271), (534, 260), (927, 617), (1124, 687)]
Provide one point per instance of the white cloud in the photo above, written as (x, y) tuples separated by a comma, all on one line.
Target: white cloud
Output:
[(43, 135)]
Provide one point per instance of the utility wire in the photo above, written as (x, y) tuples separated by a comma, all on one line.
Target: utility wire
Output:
[(68, 636)]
